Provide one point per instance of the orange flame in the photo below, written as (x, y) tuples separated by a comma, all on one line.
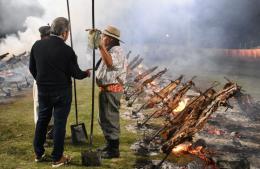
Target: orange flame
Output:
[(187, 148), (153, 83), (181, 148), (140, 66), (182, 104)]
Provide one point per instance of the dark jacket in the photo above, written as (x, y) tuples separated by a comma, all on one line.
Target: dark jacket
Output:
[(53, 63)]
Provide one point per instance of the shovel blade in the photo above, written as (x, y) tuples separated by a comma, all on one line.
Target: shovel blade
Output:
[(91, 158), (78, 134)]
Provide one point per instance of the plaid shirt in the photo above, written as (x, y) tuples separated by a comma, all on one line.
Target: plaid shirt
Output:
[(105, 75)]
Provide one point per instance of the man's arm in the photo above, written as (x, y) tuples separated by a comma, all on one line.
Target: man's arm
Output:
[(75, 71), (32, 64), (106, 57)]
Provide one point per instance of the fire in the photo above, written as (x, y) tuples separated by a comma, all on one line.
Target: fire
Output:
[(140, 66), (140, 69), (181, 148), (153, 83), (187, 148), (182, 104)]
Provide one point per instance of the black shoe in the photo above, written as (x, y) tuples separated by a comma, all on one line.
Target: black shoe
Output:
[(103, 148), (110, 154), (112, 150), (109, 145)]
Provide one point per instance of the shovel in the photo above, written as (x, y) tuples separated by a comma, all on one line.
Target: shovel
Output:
[(90, 157), (78, 130)]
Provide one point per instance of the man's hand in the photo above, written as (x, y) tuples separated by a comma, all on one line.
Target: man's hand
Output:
[(105, 55), (88, 72), (102, 44)]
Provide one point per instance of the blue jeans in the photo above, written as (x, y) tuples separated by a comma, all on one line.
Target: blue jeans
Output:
[(58, 103)]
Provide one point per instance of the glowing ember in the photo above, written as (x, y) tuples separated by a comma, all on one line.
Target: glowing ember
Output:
[(214, 131), (181, 148), (6, 73), (187, 148), (140, 66), (182, 104), (153, 83)]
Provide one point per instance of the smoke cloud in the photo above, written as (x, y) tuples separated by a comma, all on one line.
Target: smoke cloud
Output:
[(158, 30), (14, 14)]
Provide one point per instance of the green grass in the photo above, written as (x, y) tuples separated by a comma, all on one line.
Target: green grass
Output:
[(17, 131)]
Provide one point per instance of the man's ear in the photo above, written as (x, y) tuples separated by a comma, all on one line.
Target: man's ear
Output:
[(65, 35)]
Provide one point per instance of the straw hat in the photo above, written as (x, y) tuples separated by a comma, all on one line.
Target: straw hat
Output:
[(113, 32)]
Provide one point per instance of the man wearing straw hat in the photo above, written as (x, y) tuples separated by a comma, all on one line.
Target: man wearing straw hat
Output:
[(52, 64), (111, 75)]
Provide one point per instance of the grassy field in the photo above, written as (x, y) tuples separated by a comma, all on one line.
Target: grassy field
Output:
[(17, 128)]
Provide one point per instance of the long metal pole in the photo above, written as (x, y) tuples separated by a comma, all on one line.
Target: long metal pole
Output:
[(93, 78), (74, 81)]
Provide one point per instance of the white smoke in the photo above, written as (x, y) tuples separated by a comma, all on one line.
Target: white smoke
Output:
[(80, 20), (165, 33), (14, 13), (143, 23), (23, 41)]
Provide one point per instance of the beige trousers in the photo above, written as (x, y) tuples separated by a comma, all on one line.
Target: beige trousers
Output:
[(36, 104)]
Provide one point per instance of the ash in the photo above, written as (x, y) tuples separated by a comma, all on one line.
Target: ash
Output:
[(235, 138), (15, 78), (152, 164), (144, 149), (233, 135)]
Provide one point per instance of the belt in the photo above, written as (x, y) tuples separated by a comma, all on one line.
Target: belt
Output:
[(112, 88)]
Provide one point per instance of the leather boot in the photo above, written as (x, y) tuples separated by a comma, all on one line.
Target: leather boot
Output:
[(104, 147), (112, 151)]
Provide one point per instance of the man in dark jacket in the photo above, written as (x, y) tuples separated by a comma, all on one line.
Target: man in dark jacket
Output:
[(52, 64)]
